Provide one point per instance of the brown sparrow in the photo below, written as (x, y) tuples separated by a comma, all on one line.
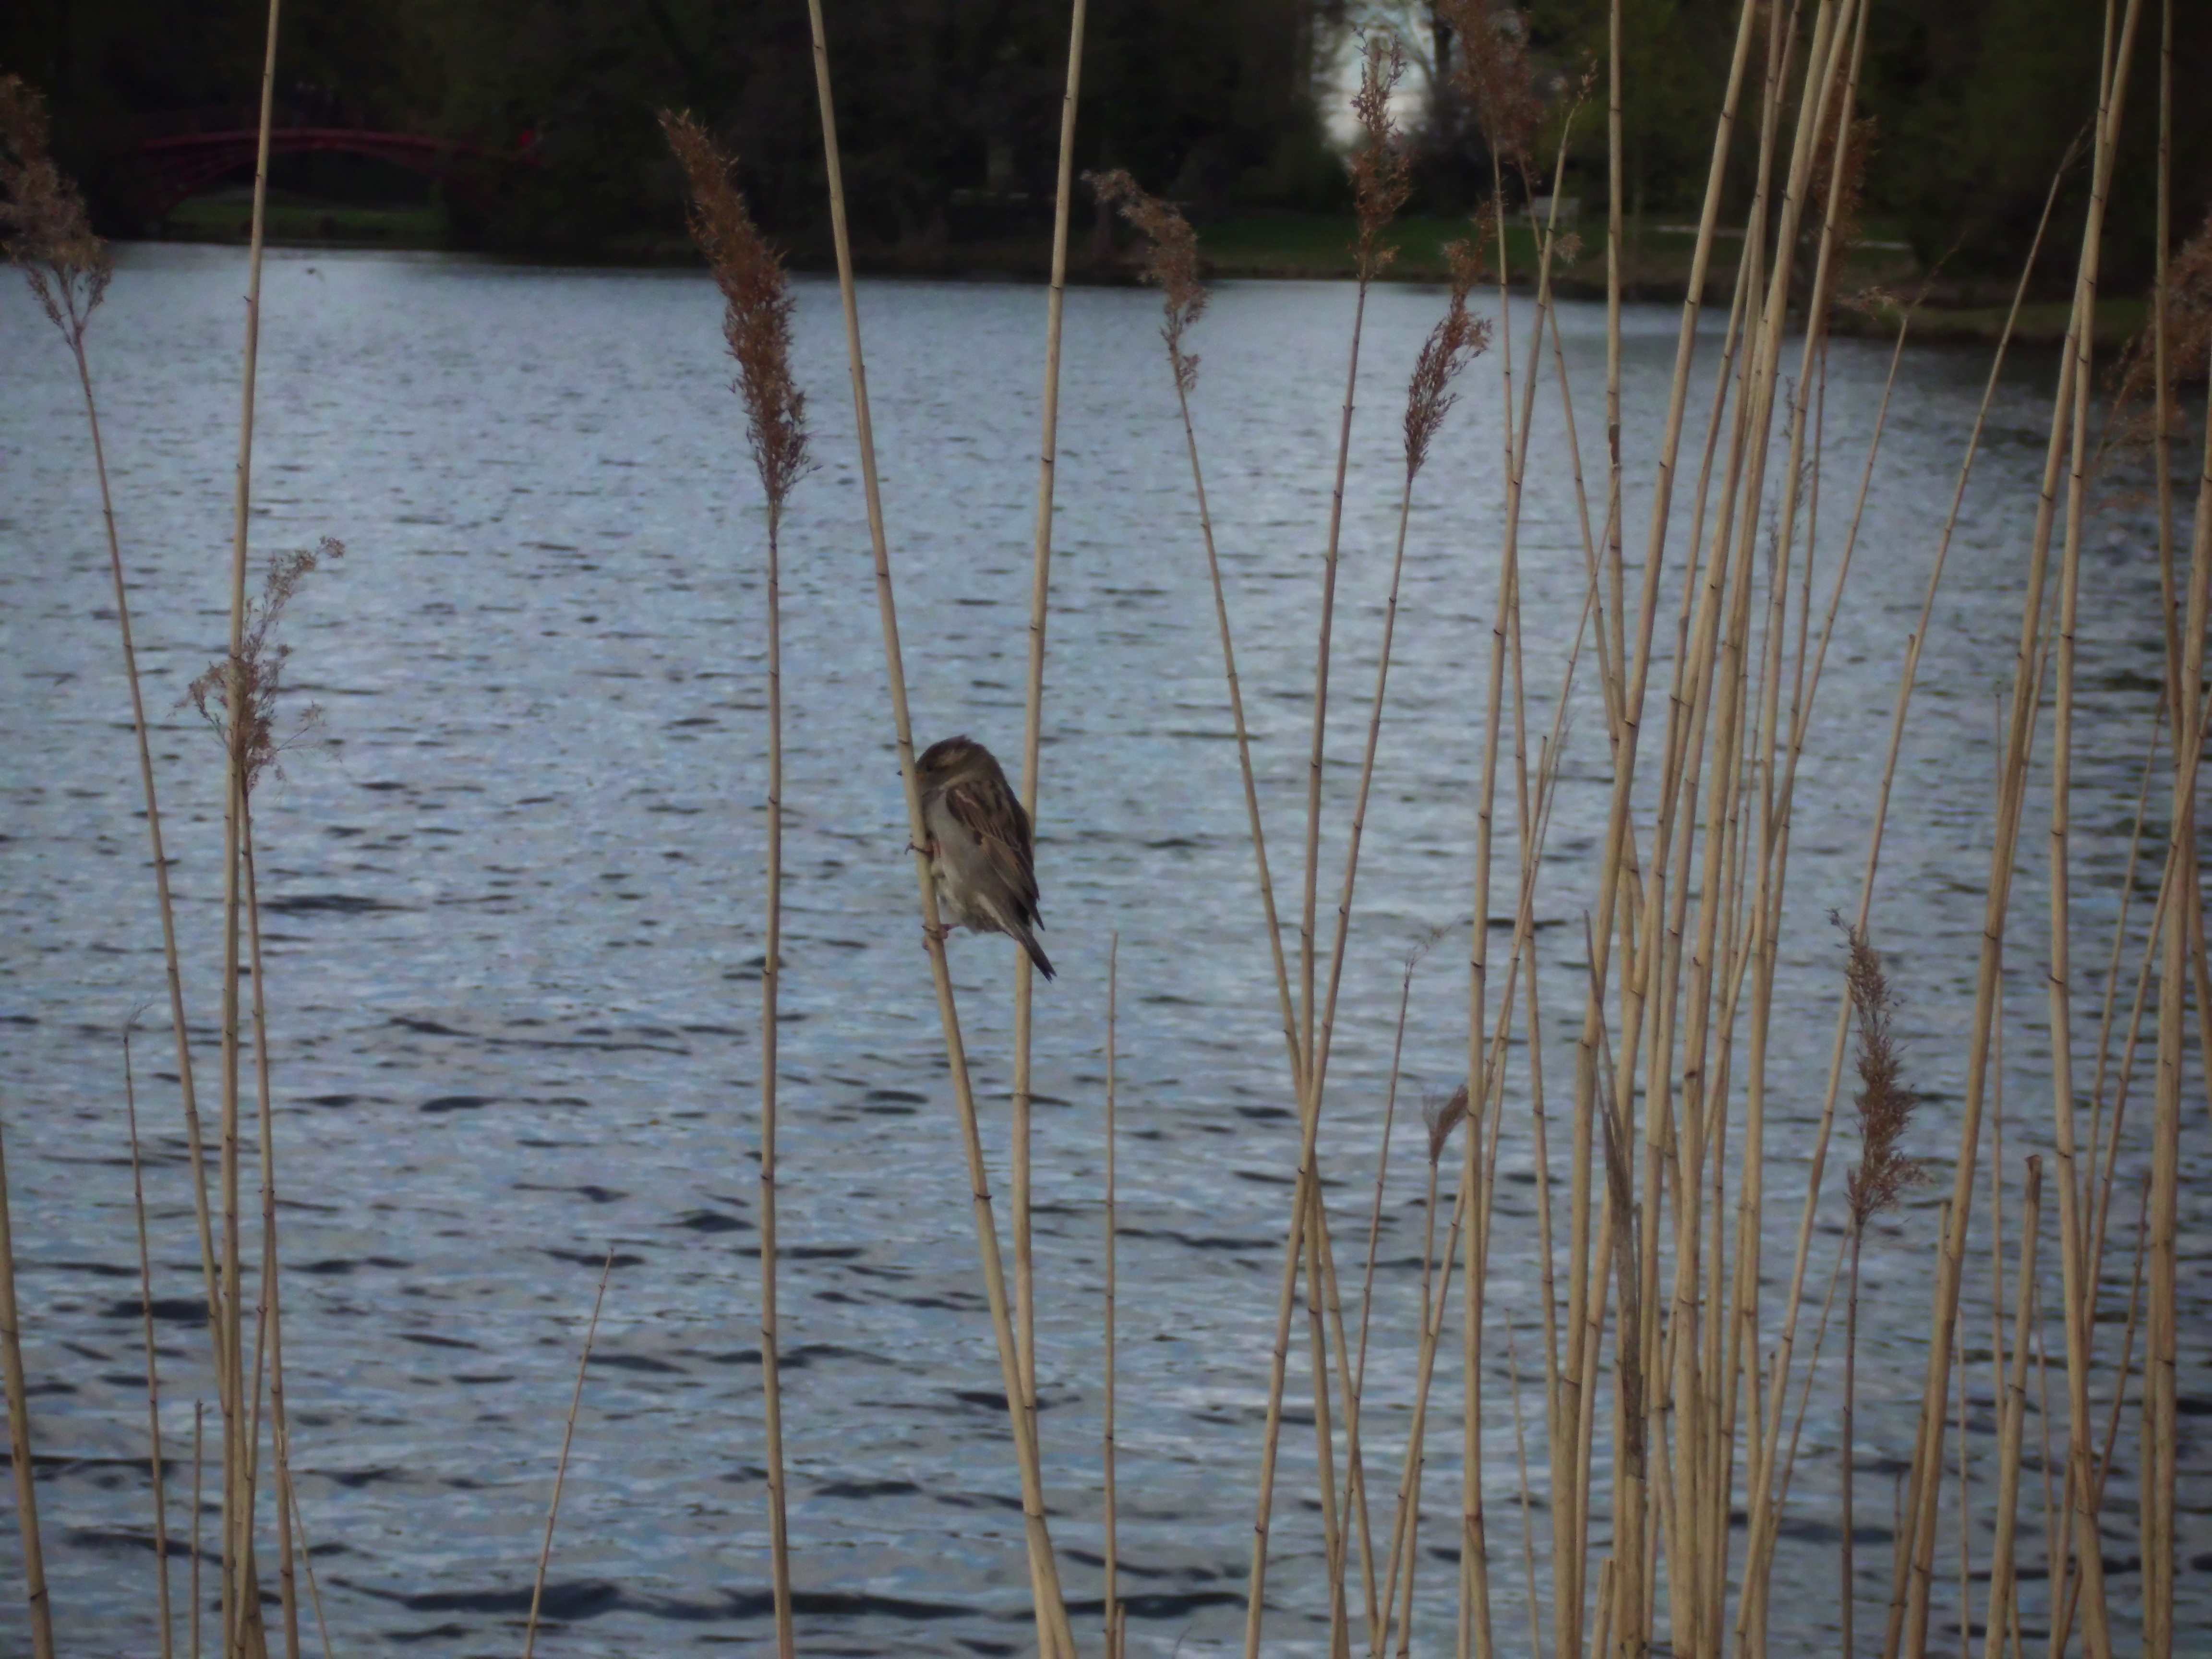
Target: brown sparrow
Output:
[(980, 851)]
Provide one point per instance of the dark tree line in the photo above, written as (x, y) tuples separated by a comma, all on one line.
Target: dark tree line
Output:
[(950, 107)]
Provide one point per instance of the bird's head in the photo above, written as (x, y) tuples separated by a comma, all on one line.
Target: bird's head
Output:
[(949, 757)]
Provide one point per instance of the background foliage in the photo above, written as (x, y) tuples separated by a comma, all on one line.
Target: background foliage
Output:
[(949, 106)]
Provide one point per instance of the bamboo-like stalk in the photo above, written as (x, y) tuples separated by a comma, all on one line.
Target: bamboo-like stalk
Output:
[(240, 1590), (68, 269), (156, 851), (40, 1611), (1762, 1502), (1379, 188), (771, 986), (2073, 1239), (1112, 1613), (1576, 1394), (307, 1556), (199, 1470), (1908, 1604), (756, 328), (1044, 1571), (1032, 731), (2163, 1358), (561, 1470), (271, 1279), (2004, 1555), (1850, 1593), (153, 1364)]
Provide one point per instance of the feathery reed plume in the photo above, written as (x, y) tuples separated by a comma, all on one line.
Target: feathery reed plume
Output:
[(19, 1437), (153, 1365), (757, 307), (561, 1470), (1849, 191), (1885, 1104), (2187, 332), (1442, 1119), (1885, 1107), (1382, 170), (757, 324), (1491, 70), (250, 680), (43, 226), (1169, 262), (1456, 341)]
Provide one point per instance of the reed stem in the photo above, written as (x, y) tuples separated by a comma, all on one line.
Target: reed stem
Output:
[(18, 1438), (240, 1591), (153, 1365), (1032, 730), (561, 1470), (1111, 1614), (1044, 1572)]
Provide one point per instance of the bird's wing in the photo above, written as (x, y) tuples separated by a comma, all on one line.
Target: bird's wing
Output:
[(988, 810)]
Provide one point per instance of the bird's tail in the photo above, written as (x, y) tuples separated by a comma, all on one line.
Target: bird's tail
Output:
[(1036, 952)]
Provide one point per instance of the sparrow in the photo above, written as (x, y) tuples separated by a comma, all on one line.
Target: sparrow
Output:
[(979, 850)]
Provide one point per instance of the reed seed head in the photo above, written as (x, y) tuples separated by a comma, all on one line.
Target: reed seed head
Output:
[(757, 307), (1442, 1120), (1170, 262), (1456, 341), (255, 673), (1849, 228), (1885, 1104), (43, 226), (2188, 338), (1380, 169), (1492, 71)]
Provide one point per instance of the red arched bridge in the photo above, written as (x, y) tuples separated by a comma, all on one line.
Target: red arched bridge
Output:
[(183, 164)]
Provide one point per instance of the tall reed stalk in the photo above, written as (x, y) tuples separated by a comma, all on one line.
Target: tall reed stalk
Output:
[(1113, 1612), (560, 1469), (1032, 734), (156, 1471), (756, 327), (19, 1458), (1044, 1571), (241, 1593)]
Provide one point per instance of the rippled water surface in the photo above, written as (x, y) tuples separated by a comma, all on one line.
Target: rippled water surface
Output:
[(512, 895)]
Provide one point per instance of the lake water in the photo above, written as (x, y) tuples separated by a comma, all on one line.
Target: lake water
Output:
[(513, 895)]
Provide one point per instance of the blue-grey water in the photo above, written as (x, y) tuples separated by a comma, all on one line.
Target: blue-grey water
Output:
[(511, 889)]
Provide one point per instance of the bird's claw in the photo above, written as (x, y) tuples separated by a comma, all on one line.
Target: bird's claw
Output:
[(929, 851), (936, 935)]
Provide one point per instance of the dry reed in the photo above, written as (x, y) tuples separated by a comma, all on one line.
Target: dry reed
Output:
[(757, 313), (1112, 1611), (153, 1364), (561, 1470), (1032, 736), (1044, 1571), (1875, 1183), (39, 1611)]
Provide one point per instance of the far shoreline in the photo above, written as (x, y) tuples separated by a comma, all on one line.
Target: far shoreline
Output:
[(1265, 247)]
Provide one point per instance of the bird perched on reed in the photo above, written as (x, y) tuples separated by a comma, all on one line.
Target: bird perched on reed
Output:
[(979, 849)]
